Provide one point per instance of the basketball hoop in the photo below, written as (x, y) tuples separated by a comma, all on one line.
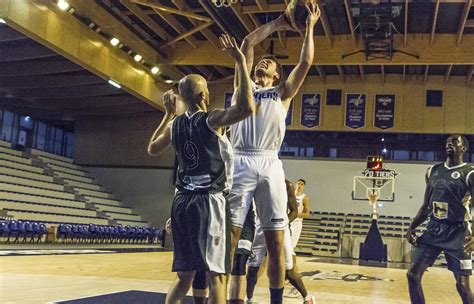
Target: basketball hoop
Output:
[(224, 3)]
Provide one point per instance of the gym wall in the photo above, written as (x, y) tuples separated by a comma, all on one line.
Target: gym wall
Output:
[(329, 185), (411, 114)]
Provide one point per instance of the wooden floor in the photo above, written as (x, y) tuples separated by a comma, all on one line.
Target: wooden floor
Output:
[(46, 279)]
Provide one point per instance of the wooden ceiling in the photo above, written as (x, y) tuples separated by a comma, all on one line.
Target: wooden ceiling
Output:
[(183, 34), (37, 81)]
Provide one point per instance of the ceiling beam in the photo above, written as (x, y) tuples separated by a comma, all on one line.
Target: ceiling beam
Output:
[(49, 81), (435, 18), (262, 4), (177, 26), (361, 72), (347, 6), (325, 24), (321, 73), (182, 5), (84, 102), (426, 73), (38, 67), (270, 8), (170, 10), (244, 19), (441, 53), (204, 72), (341, 73), (187, 34), (8, 34), (448, 74), (147, 20), (213, 15), (67, 92), (17, 53), (470, 73), (463, 20), (405, 36)]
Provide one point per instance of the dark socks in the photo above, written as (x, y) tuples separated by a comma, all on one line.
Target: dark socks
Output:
[(276, 296)]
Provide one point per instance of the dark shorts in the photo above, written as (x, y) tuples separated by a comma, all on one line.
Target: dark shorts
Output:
[(248, 233), (201, 232), (446, 237)]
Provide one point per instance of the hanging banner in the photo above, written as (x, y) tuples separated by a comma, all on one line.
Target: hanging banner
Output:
[(310, 109), (355, 110), (228, 100), (384, 111), (289, 115)]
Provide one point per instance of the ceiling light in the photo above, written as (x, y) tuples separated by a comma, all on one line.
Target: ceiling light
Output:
[(168, 81), (138, 57), (27, 118), (63, 5), (114, 41), (2, 20), (155, 70), (115, 84)]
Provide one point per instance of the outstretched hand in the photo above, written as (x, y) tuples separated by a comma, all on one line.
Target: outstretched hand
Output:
[(411, 236), (230, 47), (169, 102), (313, 14)]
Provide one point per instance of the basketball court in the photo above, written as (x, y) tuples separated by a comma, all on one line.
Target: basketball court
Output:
[(83, 206)]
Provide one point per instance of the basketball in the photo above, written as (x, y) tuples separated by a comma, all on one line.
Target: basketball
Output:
[(296, 13)]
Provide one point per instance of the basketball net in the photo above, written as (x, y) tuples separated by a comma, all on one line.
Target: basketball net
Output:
[(373, 196), (224, 3)]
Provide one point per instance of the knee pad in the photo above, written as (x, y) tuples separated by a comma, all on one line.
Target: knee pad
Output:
[(240, 263), (200, 281)]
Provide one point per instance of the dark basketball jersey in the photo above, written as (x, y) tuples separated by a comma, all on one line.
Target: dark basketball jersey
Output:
[(449, 196), (204, 156)]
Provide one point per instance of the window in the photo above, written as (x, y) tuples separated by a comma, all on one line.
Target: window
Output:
[(333, 97), (434, 98), (40, 136), (401, 155), (7, 126)]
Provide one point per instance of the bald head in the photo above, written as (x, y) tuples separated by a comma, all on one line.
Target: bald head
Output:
[(193, 89)]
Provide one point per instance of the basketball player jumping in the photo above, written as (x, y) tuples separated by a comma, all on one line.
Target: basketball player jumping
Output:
[(446, 203), (256, 141), (259, 252), (199, 215)]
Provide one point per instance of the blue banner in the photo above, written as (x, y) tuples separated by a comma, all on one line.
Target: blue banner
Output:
[(384, 111), (355, 110), (289, 115), (228, 100), (310, 110)]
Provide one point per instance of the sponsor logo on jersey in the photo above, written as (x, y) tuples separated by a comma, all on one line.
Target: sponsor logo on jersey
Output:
[(455, 175), (440, 210), (277, 220)]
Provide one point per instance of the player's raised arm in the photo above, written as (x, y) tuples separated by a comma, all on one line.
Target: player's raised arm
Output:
[(297, 76), (161, 138), (244, 105), (422, 215), (260, 34)]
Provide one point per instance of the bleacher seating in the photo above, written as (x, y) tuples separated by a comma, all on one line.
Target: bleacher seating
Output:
[(36, 186), (323, 232)]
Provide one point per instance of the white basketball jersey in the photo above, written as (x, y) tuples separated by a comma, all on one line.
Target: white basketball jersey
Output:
[(299, 205), (266, 129)]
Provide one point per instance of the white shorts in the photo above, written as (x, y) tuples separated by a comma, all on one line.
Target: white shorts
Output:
[(295, 227), (259, 175), (259, 250)]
